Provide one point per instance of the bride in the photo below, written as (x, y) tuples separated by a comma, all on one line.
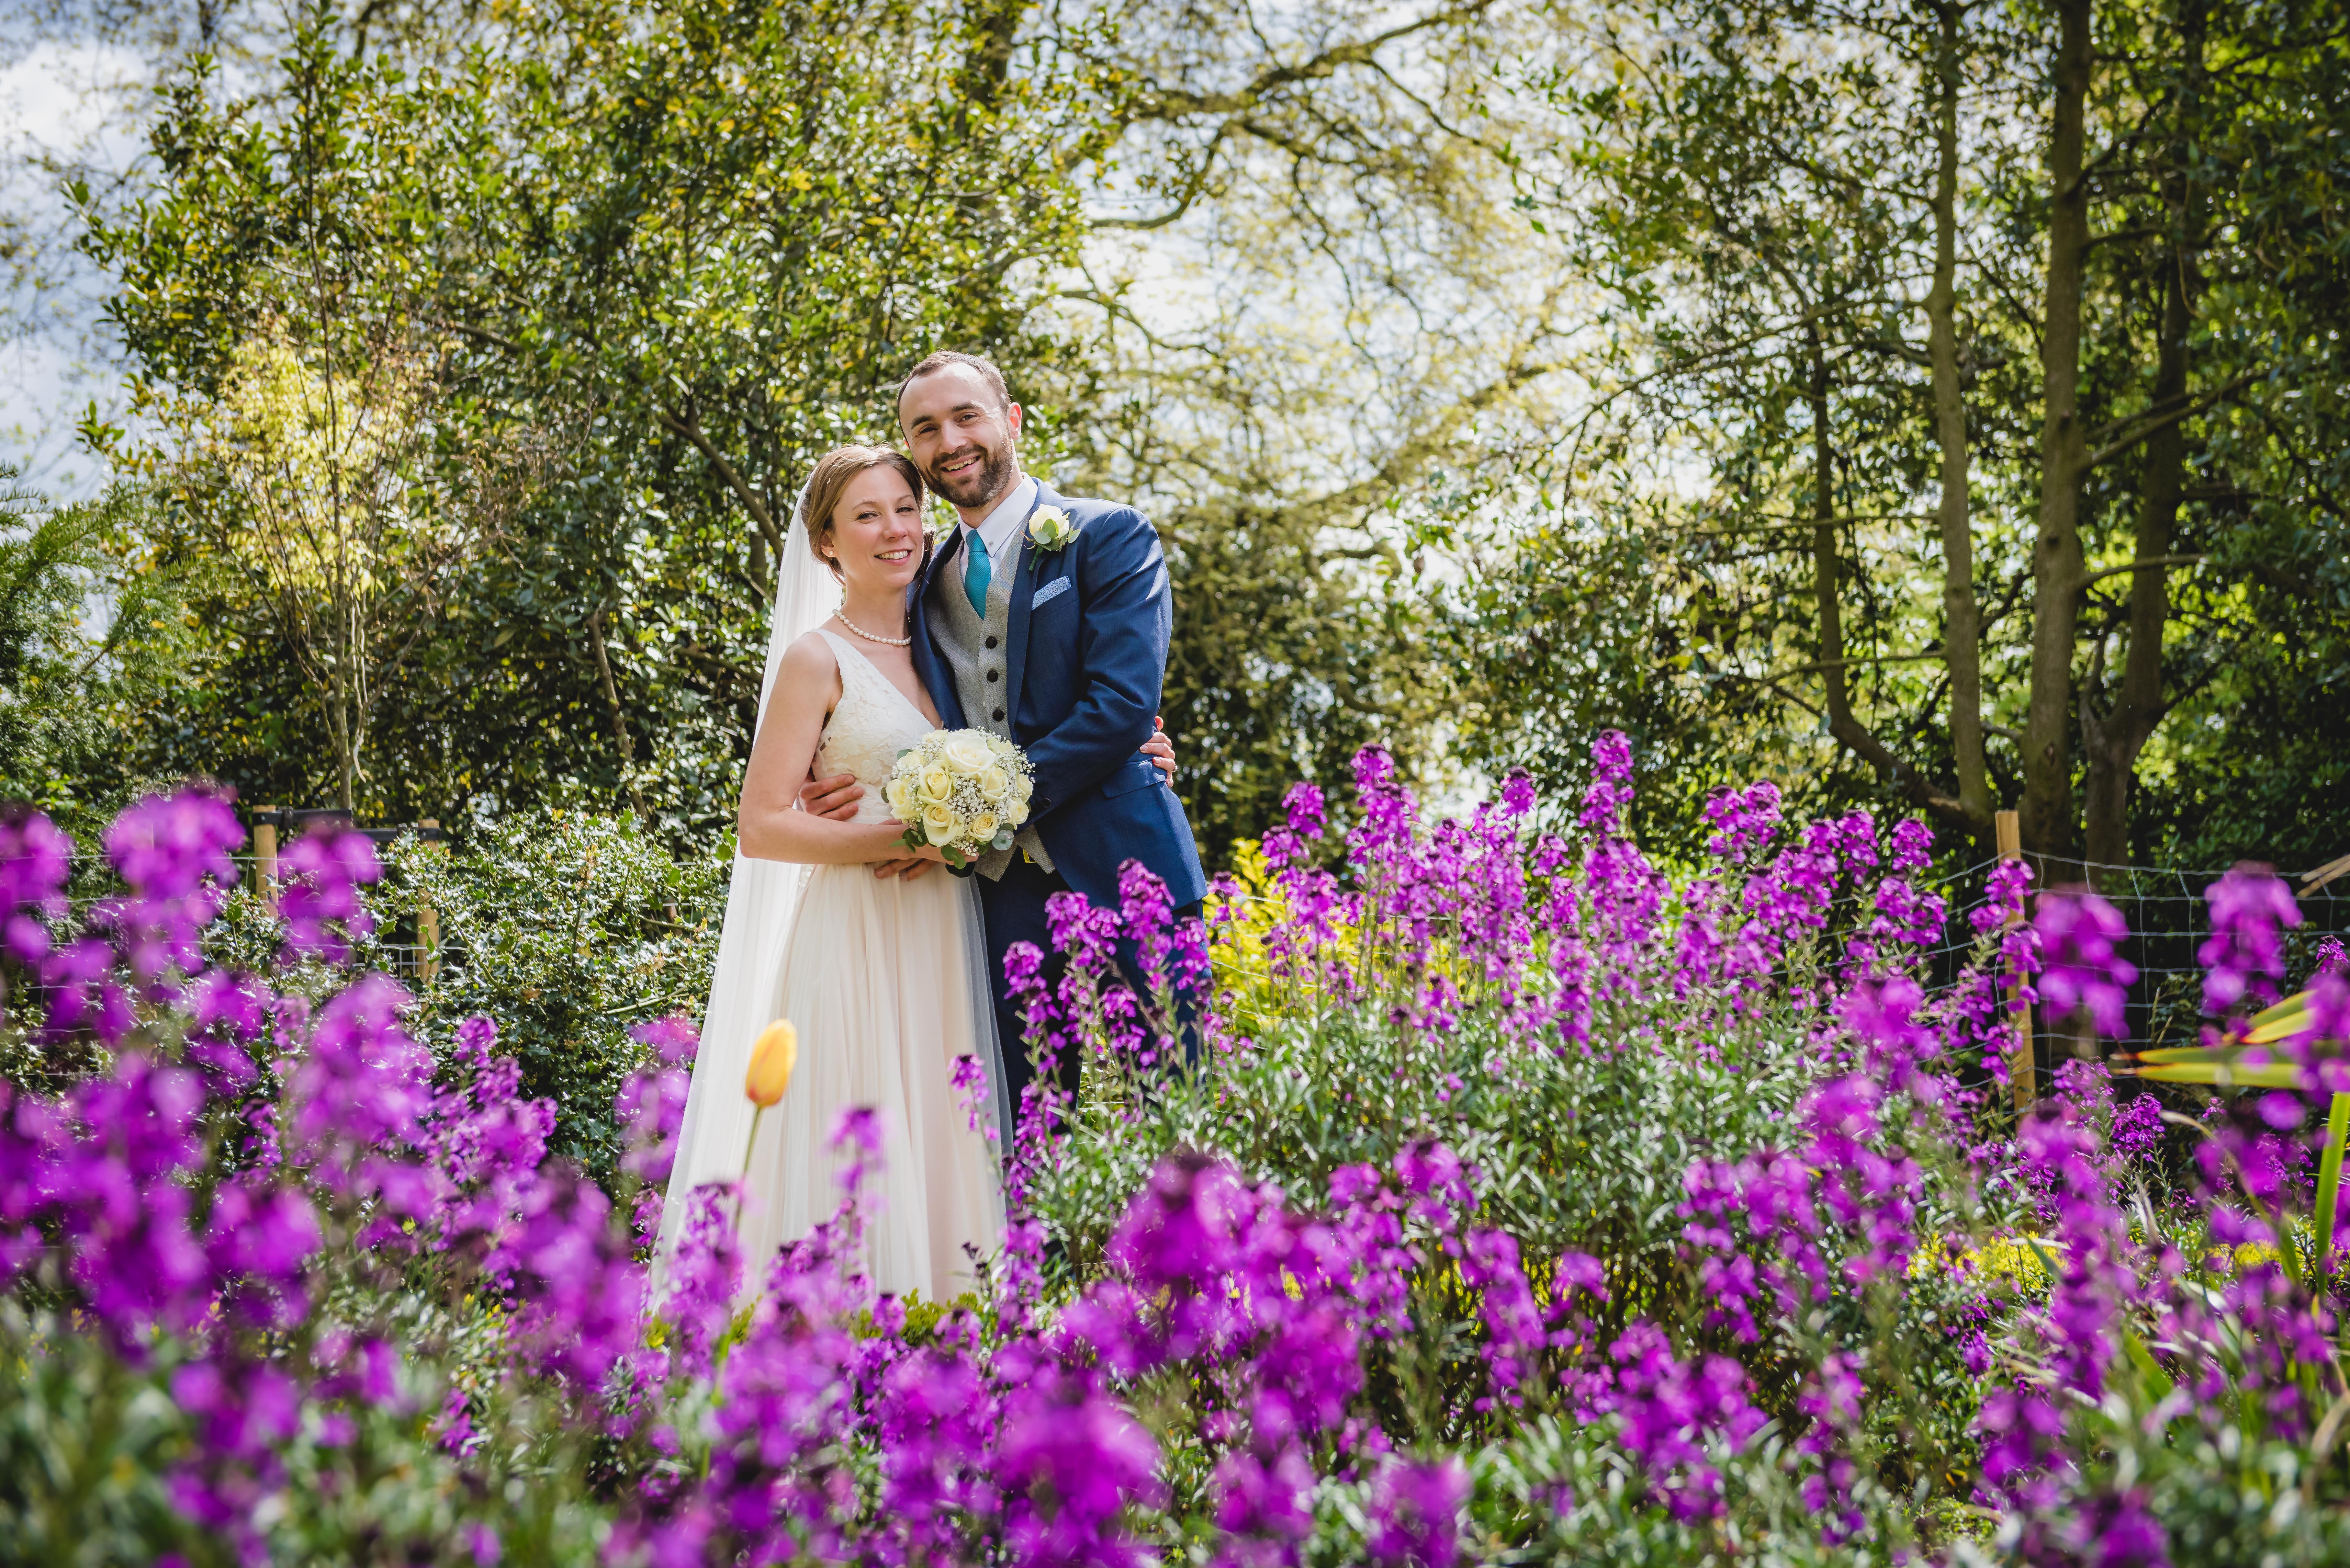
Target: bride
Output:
[(881, 967)]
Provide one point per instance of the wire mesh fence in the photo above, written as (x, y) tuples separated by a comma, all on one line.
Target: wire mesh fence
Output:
[(2164, 908), (2168, 920)]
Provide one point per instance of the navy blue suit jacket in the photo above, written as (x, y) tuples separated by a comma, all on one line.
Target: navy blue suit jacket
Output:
[(1086, 655)]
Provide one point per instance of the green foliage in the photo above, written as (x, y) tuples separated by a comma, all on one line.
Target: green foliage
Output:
[(735, 227), (89, 1439), (1751, 191), (69, 687), (85, 1444), (568, 928)]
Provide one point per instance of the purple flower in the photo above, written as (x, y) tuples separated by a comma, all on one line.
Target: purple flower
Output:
[(35, 858), (1743, 821), (2137, 1127), (174, 854), (1268, 1507), (2244, 955), (2081, 966), (1609, 792), (1070, 1459), (1415, 1513), (650, 1108), (673, 1039), (364, 1088), (705, 1276), (323, 871), (1675, 1416)]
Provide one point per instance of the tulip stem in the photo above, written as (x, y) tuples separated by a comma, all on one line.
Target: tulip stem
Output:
[(743, 1187)]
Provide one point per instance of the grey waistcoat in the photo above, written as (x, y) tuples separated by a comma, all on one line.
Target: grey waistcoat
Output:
[(974, 650)]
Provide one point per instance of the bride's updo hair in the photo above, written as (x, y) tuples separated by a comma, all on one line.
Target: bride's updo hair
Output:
[(830, 482)]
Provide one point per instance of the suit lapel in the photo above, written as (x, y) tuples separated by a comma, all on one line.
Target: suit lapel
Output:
[(1024, 590), (928, 666)]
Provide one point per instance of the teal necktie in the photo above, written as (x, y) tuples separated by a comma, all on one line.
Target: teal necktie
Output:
[(977, 573)]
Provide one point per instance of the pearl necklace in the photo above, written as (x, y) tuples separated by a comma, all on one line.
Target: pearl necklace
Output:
[(871, 636)]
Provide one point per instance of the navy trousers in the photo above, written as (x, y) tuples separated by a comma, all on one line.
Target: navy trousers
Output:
[(1015, 910)]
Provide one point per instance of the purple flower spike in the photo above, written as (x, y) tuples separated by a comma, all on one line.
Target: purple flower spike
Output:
[(2081, 966), (1610, 790), (35, 858), (174, 854), (673, 1039), (324, 871), (2250, 909), (1416, 1513)]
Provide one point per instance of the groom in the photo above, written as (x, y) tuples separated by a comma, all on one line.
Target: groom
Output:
[(1059, 644)]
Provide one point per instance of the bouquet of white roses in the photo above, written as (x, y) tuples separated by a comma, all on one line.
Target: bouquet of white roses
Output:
[(964, 790)]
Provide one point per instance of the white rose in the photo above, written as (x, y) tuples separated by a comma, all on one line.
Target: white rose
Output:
[(982, 827), (1050, 527), (993, 780), (1019, 813), (938, 825), (937, 782), (1022, 787), (968, 752), (899, 792)]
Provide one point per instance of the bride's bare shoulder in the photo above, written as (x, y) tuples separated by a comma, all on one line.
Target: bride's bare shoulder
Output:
[(810, 665)]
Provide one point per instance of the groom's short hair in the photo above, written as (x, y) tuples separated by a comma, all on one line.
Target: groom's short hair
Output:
[(945, 357)]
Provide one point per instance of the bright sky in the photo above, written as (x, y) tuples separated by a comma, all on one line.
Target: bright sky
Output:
[(58, 103)]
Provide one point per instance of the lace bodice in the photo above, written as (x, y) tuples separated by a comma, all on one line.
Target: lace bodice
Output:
[(871, 724)]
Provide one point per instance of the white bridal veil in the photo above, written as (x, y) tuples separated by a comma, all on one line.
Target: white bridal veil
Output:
[(762, 904)]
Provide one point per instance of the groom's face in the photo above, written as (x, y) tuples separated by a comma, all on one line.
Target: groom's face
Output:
[(964, 438)]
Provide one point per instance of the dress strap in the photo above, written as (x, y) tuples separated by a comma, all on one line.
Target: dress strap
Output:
[(853, 666)]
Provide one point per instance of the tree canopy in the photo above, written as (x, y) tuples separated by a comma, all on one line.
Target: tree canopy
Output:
[(1934, 404)]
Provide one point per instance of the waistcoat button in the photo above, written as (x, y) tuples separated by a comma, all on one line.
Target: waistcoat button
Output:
[(991, 642)]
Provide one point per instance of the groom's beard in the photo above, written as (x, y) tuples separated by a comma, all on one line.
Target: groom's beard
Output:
[(976, 486)]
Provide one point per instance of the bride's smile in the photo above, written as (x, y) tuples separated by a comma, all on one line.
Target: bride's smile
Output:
[(874, 544)]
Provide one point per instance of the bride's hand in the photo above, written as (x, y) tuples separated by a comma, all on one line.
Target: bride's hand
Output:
[(1159, 749), (910, 866)]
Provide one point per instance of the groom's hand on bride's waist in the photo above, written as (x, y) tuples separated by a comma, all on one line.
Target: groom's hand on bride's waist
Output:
[(1159, 749), (834, 797)]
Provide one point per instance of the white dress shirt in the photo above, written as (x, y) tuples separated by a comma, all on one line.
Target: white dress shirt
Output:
[(1000, 530)]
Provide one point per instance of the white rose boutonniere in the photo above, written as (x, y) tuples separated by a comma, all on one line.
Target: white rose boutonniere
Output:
[(1050, 528)]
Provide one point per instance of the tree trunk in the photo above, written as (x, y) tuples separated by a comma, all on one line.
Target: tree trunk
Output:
[(338, 719), (1827, 572), (2057, 557), (2114, 740), (1962, 616), (619, 717)]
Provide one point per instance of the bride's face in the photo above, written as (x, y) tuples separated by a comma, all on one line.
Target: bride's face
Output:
[(876, 531)]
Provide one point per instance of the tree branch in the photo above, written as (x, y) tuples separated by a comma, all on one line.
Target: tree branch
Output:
[(1174, 104), (691, 432), (2148, 564), (2163, 420)]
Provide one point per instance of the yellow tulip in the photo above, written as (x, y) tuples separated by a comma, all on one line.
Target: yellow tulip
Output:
[(772, 1056)]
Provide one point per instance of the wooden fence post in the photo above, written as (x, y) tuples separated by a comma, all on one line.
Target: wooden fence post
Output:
[(2022, 1073), (428, 926), (264, 857)]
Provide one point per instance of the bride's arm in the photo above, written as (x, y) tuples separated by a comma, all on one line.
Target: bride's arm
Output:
[(806, 687)]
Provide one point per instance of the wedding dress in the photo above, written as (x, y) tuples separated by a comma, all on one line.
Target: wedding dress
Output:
[(886, 981), (878, 978)]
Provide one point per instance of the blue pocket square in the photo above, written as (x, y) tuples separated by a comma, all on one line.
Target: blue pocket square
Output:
[(1056, 586)]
